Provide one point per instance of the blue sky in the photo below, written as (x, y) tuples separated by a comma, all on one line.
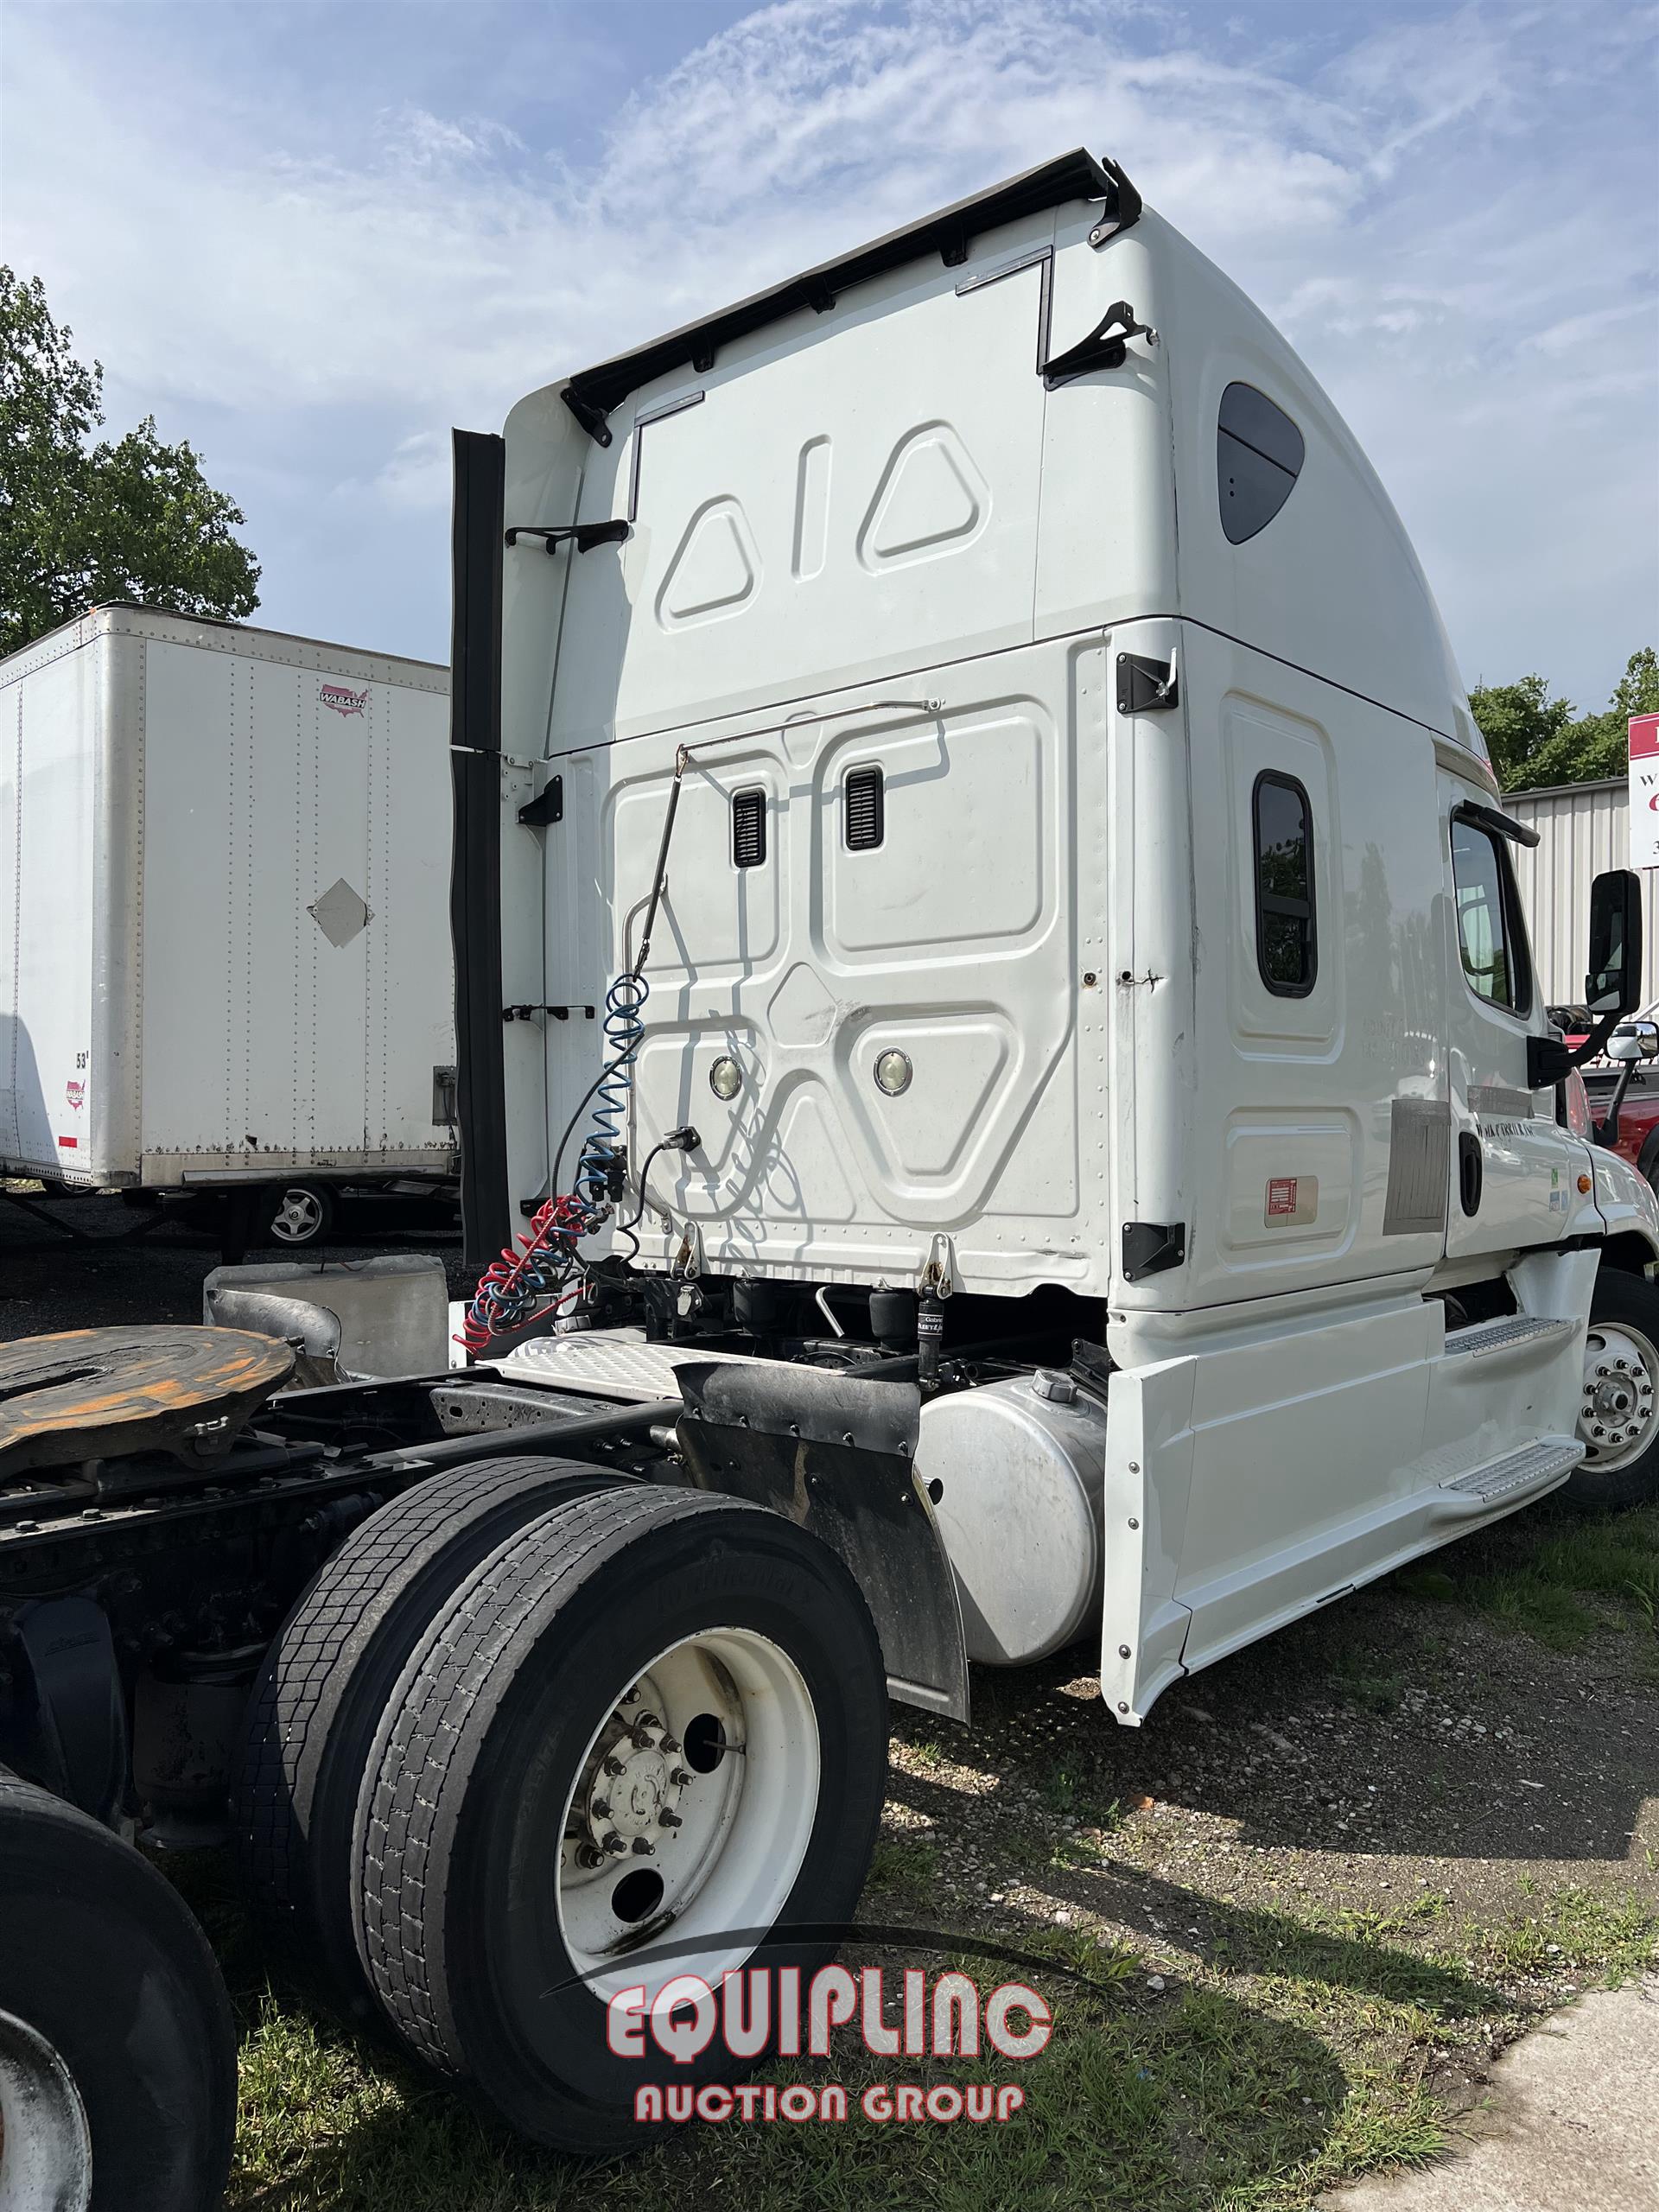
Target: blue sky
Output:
[(312, 237)]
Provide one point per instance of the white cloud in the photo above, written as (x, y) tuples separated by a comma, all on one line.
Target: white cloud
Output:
[(1447, 210)]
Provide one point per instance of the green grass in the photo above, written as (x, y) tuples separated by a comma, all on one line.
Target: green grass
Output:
[(1583, 1578), (1297, 2054)]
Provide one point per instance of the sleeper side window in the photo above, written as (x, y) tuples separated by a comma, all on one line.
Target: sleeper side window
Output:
[(1287, 944), (1491, 935), (1259, 454)]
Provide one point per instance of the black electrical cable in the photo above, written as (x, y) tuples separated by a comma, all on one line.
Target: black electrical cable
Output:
[(657, 884), (656, 1150)]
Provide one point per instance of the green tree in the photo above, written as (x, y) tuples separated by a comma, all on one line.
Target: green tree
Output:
[(1534, 739), (1517, 721), (135, 519)]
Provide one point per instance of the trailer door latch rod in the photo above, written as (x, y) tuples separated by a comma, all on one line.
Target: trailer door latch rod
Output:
[(584, 535)]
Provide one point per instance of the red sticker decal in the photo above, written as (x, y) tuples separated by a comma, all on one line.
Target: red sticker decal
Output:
[(343, 700), (69, 1144), (75, 1092), (1281, 1196)]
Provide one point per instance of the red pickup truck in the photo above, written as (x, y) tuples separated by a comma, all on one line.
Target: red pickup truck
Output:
[(1621, 1094)]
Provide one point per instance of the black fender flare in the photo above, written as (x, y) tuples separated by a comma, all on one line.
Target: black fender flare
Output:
[(836, 1455)]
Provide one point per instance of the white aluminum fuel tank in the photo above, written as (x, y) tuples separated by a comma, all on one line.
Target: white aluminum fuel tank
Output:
[(1020, 1468)]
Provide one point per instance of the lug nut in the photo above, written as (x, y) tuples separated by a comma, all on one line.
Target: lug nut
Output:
[(644, 1847), (600, 1808), (589, 1855), (669, 1743), (669, 1819), (613, 1843), (615, 1765), (678, 1778)]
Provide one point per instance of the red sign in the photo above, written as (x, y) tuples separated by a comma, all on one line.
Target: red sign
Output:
[(1281, 1198), (1644, 791)]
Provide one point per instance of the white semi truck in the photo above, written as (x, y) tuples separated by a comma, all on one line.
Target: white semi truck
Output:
[(224, 963), (993, 1009)]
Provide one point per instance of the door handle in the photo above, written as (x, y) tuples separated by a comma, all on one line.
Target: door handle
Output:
[(1471, 1171)]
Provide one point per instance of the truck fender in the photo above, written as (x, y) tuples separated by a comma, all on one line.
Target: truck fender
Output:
[(838, 1458), (72, 1729)]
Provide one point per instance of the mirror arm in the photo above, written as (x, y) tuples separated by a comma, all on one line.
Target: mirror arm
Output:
[(1549, 1061), (1606, 1130)]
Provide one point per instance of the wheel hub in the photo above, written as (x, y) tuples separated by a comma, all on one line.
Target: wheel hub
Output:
[(692, 1809), (633, 1790), (1619, 1404)]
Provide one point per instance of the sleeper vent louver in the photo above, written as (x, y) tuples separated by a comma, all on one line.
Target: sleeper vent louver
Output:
[(866, 809), (749, 828)]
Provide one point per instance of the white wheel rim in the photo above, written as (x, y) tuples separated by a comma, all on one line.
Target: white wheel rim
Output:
[(725, 1841), (46, 2163), (1621, 1395), (298, 1218)]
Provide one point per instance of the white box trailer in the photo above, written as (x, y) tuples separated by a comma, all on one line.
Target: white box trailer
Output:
[(223, 959)]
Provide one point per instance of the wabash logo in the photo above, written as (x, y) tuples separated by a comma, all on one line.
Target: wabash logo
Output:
[(343, 699)]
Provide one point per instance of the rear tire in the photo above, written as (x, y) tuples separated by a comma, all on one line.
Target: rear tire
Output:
[(323, 1687), (115, 2035), (644, 1627), (1619, 1416)]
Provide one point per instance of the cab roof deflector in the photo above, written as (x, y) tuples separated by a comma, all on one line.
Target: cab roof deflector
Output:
[(592, 393)]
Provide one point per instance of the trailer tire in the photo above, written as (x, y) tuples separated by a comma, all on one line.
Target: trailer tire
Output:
[(117, 2041), (493, 1771), (324, 1684), (1621, 1363)]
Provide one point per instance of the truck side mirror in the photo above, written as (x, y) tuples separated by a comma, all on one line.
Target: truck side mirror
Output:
[(1613, 985), (1614, 982)]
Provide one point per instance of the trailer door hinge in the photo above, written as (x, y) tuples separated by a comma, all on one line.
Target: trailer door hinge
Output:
[(1146, 686), (584, 535), (547, 807), (558, 1012), (1149, 1247)]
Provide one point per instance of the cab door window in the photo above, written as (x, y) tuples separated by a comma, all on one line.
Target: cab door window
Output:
[(1491, 935)]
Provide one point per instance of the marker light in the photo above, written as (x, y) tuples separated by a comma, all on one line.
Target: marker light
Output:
[(726, 1078), (893, 1073)]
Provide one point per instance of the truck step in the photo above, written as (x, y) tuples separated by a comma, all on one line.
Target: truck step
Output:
[(1530, 1468), (1508, 1333)]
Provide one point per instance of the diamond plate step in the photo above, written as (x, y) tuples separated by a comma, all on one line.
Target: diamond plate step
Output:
[(609, 1364), (1506, 1334), (1532, 1466)]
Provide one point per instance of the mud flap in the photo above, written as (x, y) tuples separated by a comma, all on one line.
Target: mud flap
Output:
[(837, 1457)]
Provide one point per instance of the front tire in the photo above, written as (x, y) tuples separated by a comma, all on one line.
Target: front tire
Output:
[(118, 2051), (660, 1668), (1619, 1409)]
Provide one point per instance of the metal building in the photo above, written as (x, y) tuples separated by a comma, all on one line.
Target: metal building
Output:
[(1582, 829)]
